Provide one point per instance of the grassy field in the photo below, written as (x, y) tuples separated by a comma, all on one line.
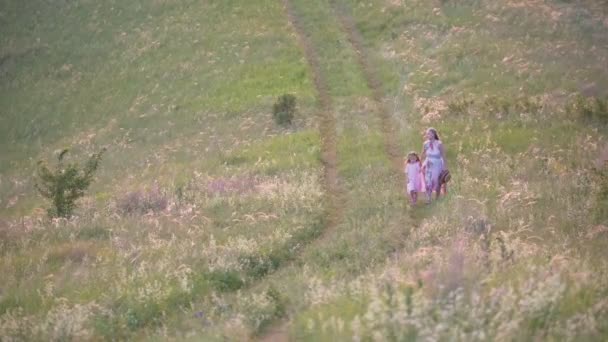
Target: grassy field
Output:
[(207, 221)]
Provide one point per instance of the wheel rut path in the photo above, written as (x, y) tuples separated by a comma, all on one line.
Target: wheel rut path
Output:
[(334, 198), (327, 125), (374, 84), (326, 121)]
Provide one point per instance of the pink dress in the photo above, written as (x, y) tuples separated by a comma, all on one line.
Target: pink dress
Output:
[(414, 177)]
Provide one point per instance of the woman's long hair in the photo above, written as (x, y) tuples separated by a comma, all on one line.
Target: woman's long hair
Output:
[(434, 131)]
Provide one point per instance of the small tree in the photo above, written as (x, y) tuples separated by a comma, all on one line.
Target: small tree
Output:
[(66, 183), (284, 109)]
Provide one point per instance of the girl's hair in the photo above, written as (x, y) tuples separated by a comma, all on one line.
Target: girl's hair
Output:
[(434, 131), (412, 153)]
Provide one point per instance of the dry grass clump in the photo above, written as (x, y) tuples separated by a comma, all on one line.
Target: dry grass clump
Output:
[(231, 186), (129, 271), (143, 201), (504, 256), (8, 235), (76, 252), (512, 253), (452, 291), (65, 321), (589, 109)]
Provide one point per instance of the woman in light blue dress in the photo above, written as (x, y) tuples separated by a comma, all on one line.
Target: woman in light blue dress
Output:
[(433, 155)]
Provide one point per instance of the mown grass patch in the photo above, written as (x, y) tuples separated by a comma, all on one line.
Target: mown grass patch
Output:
[(358, 151), (186, 73), (280, 153), (337, 61)]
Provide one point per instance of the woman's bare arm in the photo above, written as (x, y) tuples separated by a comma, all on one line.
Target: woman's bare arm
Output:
[(442, 151)]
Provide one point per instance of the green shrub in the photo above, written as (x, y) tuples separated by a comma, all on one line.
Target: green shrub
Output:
[(226, 281), (110, 327), (284, 109), (262, 317), (279, 303), (258, 265), (142, 315), (65, 183)]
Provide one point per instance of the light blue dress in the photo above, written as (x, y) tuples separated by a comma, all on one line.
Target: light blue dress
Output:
[(434, 164)]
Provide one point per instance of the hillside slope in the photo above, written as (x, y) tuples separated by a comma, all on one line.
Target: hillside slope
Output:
[(208, 221)]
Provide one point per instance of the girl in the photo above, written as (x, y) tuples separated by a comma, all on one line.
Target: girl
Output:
[(434, 162), (413, 169)]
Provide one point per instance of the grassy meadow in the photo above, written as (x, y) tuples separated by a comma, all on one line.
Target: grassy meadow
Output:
[(208, 221)]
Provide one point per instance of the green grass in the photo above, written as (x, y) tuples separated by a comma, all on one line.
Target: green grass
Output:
[(359, 152), (280, 154), (338, 62), (181, 93), (206, 68), (143, 90)]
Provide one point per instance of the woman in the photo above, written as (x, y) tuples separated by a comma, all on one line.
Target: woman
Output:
[(433, 155)]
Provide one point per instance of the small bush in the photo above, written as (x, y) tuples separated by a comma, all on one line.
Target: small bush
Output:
[(258, 265), (110, 327), (141, 315), (226, 281), (66, 183), (284, 109), (268, 309), (278, 301)]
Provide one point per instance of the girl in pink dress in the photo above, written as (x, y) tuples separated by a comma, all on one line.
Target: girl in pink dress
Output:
[(413, 171)]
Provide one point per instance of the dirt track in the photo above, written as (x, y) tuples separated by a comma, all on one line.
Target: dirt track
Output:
[(373, 82), (326, 119), (329, 153), (327, 124)]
